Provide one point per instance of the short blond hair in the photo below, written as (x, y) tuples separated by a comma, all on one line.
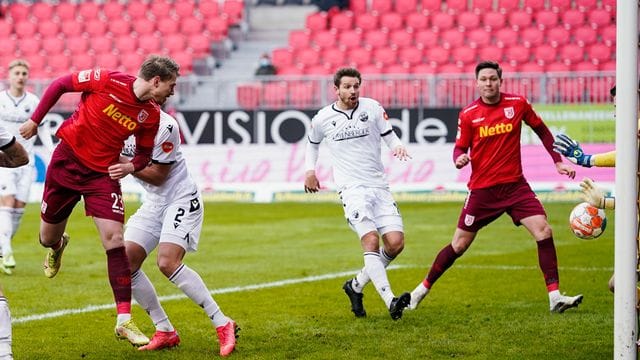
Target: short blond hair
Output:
[(18, 62)]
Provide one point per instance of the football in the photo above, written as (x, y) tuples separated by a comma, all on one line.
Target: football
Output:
[(587, 222)]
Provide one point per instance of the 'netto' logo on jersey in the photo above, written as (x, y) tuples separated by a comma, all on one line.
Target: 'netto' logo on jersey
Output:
[(495, 129), (121, 118)]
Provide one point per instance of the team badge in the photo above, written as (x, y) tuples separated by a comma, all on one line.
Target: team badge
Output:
[(509, 112), (469, 219), (142, 116), (363, 117), (167, 146)]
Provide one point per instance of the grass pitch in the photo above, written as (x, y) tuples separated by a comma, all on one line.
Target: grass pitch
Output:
[(277, 269)]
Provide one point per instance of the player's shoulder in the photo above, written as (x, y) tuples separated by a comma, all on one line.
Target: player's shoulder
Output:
[(31, 97), (473, 106), (167, 120), (366, 102), (323, 113)]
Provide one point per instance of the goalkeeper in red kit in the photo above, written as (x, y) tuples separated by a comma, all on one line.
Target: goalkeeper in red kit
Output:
[(488, 138), (85, 164)]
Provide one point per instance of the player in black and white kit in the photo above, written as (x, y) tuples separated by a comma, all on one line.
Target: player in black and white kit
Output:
[(353, 128)]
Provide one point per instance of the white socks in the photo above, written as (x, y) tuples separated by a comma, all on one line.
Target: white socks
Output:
[(16, 216), (362, 278), (145, 294), (6, 229), (5, 329), (192, 285), (374, 267)]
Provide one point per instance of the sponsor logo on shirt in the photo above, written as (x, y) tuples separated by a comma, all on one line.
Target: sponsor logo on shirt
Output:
[(475, 120), (114, 113), (350, 134), (84, 76), (115, 98), (167, 146), (495, 129)]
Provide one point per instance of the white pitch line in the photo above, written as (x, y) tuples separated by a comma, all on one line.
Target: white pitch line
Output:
[(280, 283)]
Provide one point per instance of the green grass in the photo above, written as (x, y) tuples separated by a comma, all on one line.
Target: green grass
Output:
[(491, 304)]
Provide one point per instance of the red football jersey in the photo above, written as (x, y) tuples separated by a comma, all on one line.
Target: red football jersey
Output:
[(108, 113), (492, 133)]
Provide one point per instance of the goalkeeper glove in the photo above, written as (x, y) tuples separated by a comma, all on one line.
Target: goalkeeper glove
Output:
[(592, 194), (571, 150)]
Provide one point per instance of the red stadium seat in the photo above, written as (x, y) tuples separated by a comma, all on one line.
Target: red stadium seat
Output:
[(437, 56), (48, 28), (18, 11), (586, 5), (130, 61), (125, 43), (376, 38), (401, 38), (491, 52), (405, 7), (609, 5), (358, 6), (307, 57), (507, 6), (395, 69), (380, 90), (71, 28), (136, 9), (275, 93), (149, 43), (366, 21), (113, 9), (108, 61), (531, 67), (407, 92), (301, 94), (100, 45), (350, 39), (184, 9), (190, 26), (534, 6), (96, 29), (326, 38), (316, 21), (29, 46), (59, 63), (234, 10), (185, 59), (53, 45), (341, 21), (320, 69), (532, 37), (478, 38), (608, 35), (248, 95), (452, 38), (468, 20), (42, 11), (431, 6), (88, 10), (160, 7), (9, 47), (208, 8), (391, 21), (520, 20), (426, 38), (282, 57), (450, 69), (506, 37), (464, 55), (217, 27), (66, 11), (25, 29), (493, 20), (82, 62), (517, 54), (384, 56), (78, 45), (558, 36), (410, 56), (482, 6), (119, 27), (586, 66), (333, 57), (441, 21), (545, 54), (381, 6), (174, 43), (199, 44), (545, 19), (6, 30), (608, 66), (572, 18), (600, 53), (599, 18), (423, 69), (456, 6), (585, 35), (417, 21), (145, 26), (299, 39), (359, 56), (560, 5)]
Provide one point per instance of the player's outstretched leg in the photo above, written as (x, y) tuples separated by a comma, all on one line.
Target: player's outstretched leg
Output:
[(162, 340), (398, 304), (53, 259), (129, 331), (227, 335), (417, 295), (559, 303), (355, 298)]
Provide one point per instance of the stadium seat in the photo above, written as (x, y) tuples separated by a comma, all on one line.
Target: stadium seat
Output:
[(78, 45), (25, 29), (72, 28), (532, 37), (531, 67), (436, 56), (391, 21), (48, 28), (517, 54), (350, 39), (371, 69), (88, 10), (65, 11), (108, 61), (395, 69), (545, 54), (560, 5), (376, 38), (359, 56), (456, 6), (208, 8), (431, 6), (9, 47), (572, 18), (281, 57), (507, 6), (358, 7), (452, 38), (426, 38), (59, 64), (585, 66), (586, 5), (608, 35), (119, 27), (6, 30), (275, 94), (301, 94), (184, 9), (405, 7), (401, 38), (146, 26), (571, 54), (493, 20), (316, 21), (136, 9), (29, 46), (174, 43), (149, 43), (585, 35), (306, 57), (533, 6), (384, 56), (545, 19), (599, 18), (290, 70), (381, 6), (441, 21), (366, 21), (558, 36), (199, 44), (478, 38), (491, 52), (96, 29), (408, 92), (410, 56), (53, 45), (82, 62), (468, 20), (217, 27), (520, 20), (333, 57), (130, 61), (112, 9), (42, 11), (299, 39), (423, 69), (450, 69), (506, 37), (600, 53), (320, 69), (482, 6), (341, 21), (190, 26), (416, 21), (464, 55), (125, 43), (609, 5), (100, 45), (326, 38), (248, 95), (381, 90), (608, 66), (234, 10)]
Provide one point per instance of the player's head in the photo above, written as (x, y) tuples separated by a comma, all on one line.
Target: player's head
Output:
[(488, 81), (346, 83), (161, 72), (18, 74)]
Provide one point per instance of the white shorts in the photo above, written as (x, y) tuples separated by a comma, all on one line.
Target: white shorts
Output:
[(371, 209), (17, 181), (179, 223)]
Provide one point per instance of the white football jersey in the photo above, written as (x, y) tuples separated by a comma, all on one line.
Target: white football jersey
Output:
[(354, 141), (166, 150), (6, 137), (14, 112)]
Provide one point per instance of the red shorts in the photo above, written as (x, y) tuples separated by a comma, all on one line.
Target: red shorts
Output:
[(482, 206), (68, 179)]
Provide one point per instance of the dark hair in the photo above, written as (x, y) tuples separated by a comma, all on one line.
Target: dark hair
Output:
[(489, 65), (342, 72), (613, 91), (162, 66)]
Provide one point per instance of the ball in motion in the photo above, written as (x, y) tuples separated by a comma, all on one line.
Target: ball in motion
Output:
[(587, 221)]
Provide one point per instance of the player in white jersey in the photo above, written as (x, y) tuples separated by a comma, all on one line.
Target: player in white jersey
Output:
[(170, 218), (12, 155), (16, 106), (353, 128)]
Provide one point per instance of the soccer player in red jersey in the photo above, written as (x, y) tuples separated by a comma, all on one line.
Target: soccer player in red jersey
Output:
[(489, 129), (86, 163)]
